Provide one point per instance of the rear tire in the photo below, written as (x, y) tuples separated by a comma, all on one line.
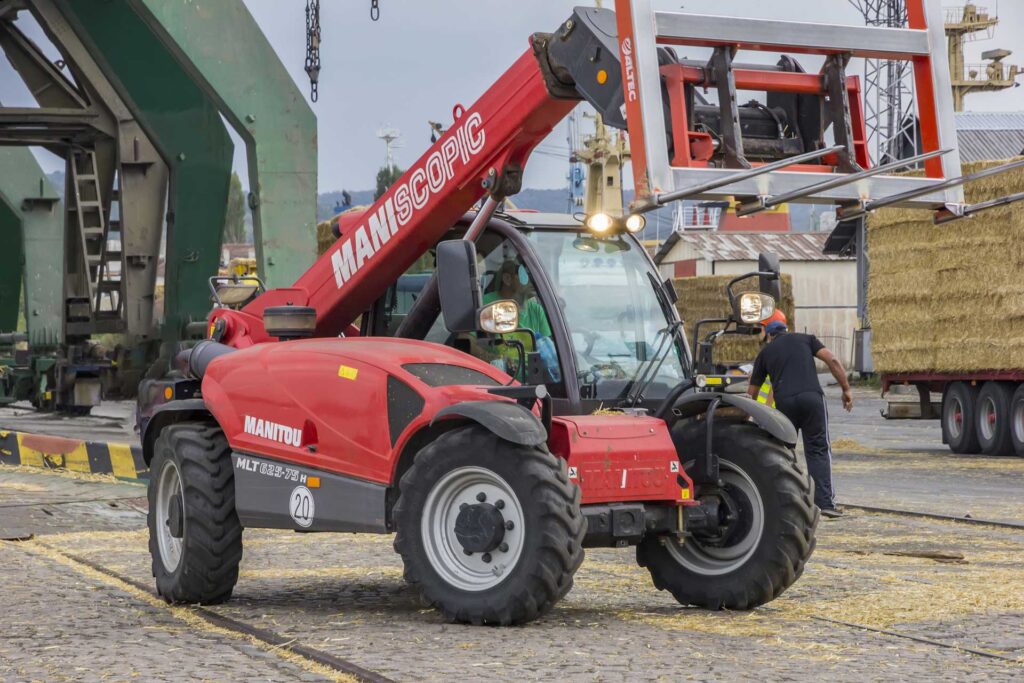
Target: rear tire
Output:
[(959, 425), (192, 495), (994, 419), (1017, 420), (769, 546), (533, 567)]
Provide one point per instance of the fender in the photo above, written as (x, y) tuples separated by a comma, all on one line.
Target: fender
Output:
[(505, 419), (767, 418), (166, 414)]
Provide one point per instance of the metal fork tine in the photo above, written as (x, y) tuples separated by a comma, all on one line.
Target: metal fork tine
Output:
[(667, 197), (768, 202), (948, 216)]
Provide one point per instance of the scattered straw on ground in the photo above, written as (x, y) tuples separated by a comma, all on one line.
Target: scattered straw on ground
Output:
[(68, 474), (186, 615)]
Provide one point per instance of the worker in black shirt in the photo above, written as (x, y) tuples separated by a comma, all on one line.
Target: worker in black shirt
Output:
[(788, 359)]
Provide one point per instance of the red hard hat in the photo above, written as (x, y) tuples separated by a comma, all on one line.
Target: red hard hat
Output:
[(777, 316)]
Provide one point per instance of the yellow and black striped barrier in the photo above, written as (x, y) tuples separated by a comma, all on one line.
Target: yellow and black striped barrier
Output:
[(57, 452)]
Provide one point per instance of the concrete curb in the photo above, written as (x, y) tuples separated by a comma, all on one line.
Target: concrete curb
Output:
[(57, 452)]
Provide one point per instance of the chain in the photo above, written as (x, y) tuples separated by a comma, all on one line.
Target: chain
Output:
[(313, 47), (374, 10)]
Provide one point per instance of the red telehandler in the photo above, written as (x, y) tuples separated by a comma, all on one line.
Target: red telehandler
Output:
[(533, 395)]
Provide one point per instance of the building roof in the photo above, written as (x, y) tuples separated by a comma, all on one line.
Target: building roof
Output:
[(743, 246), (990, 136)]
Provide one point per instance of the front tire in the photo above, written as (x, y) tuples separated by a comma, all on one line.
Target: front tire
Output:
[(765, 549), (490, 531), (195, 538)]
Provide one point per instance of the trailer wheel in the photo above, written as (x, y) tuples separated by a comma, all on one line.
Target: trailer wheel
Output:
[(959, 426), (195, 538), (765, 548), (490, 531), (994, 419), (1017, 420)]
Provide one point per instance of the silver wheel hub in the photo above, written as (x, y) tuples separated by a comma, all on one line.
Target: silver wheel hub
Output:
[(1018, 421), (472, 528), (987, 419), (955, 418), (724, 556), (170, 515)]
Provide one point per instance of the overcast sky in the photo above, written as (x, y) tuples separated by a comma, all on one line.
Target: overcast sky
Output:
[(423, 57)]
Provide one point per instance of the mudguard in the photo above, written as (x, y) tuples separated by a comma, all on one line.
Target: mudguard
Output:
[(767, 418), (165, 414), (506, 420)]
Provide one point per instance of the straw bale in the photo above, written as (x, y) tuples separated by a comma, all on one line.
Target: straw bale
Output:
[(704, 297), (949, 298), (324, 236)]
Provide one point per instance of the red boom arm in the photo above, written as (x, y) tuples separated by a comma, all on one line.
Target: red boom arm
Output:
[(498, 132)]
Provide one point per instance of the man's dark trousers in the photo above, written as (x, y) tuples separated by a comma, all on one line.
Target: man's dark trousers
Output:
[(808, 413)]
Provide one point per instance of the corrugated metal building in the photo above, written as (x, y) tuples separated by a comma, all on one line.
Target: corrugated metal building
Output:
[(990, 136), (824, 287)]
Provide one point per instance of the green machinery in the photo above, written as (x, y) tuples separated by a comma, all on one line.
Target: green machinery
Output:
[(136, 108)]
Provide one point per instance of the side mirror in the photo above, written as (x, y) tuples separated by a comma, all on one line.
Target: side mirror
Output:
[(458, 285), (772, 286)]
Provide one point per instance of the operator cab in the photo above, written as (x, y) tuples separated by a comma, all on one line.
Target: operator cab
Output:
[(596, 322)]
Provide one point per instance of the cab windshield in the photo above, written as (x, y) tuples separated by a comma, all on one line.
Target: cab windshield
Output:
[(610, 307)]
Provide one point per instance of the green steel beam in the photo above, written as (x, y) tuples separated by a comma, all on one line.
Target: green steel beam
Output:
[(27, 194), (186, 128), (11, 271), (221, 46)]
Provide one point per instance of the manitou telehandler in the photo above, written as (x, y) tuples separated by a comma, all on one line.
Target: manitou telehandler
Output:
[(534, 394)]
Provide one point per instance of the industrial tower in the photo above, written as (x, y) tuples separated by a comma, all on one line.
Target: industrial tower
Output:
[(967, 25)]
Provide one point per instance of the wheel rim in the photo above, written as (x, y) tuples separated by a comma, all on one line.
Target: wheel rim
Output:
[(1018, 422), (955, 418), (987, 418), (712, 560), (445, 552), (168, 486)]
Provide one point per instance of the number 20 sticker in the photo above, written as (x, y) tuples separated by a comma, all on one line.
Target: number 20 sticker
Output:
[(301, 506)]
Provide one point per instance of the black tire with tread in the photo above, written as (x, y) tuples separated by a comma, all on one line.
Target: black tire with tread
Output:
[(1017, 436), (1001, 395), (212, 540), (967, 395), (552, 550), (790, 520)]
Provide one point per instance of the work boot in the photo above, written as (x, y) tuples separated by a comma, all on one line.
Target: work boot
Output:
[(831, 513)]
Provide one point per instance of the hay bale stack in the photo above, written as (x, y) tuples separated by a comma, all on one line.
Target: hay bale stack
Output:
[(324, 236), (949, 298), (704, 297)]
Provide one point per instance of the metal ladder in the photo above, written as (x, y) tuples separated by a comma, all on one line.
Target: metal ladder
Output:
[(100, 238)]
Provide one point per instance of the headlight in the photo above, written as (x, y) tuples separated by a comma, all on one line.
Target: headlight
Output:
[(599, 223), (635, 223), (755, 307), (499, 317)]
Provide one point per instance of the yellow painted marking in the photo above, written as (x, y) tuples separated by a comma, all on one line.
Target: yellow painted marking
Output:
[(76, 460), (121, 461), (346, 372)]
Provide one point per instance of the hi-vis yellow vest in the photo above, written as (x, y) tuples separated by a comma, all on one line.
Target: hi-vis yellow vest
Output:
[(765, 391)]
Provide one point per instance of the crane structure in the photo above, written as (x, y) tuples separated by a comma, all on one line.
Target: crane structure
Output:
[(534, 394), (967, 24)]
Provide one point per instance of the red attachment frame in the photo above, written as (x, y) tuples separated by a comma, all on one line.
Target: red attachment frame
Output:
[(689, 146)]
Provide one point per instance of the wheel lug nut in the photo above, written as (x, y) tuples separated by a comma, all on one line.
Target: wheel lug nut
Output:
[(503, 547), (500, 504), (486, 557), (468, 552), (481, 496), (463, 506), (510, 525)]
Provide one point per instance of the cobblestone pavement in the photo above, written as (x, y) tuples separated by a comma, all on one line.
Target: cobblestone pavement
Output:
[(343, 594)]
